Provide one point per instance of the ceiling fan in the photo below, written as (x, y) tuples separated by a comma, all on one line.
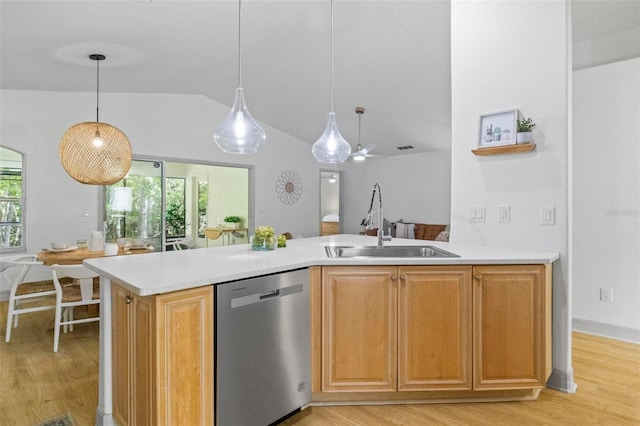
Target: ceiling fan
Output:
[(361, 153)]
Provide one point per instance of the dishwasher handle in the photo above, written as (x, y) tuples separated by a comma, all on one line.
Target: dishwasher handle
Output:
[(270, 295), (250, 299)]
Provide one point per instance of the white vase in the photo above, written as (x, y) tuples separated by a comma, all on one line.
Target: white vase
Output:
[(524, 137)]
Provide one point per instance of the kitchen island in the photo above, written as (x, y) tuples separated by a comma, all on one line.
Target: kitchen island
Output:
[(157, 281)]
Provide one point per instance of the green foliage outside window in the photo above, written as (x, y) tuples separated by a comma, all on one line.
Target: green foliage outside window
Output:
[(145, 218), (203, 202), (10, 208), (176, 216)]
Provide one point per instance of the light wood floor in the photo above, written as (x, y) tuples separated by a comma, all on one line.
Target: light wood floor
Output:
[(36, 384)]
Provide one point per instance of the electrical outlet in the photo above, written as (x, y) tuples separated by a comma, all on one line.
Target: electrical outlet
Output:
[(606, 294), (504, 213)]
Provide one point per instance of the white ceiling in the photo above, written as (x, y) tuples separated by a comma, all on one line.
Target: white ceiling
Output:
[(391, 57)]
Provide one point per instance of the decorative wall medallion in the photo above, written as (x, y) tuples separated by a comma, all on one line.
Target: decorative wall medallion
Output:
[(289, 187)]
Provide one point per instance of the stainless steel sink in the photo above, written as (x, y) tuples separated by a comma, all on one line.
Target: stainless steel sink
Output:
[(388, 251)]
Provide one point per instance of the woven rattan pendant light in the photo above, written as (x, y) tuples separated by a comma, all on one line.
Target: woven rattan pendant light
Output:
[(95, 153)]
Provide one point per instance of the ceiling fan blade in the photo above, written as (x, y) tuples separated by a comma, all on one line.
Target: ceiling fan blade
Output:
[(367, 149)]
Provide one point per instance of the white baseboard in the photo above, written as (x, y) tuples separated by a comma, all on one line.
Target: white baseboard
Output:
[(562, 381), (617, 332)]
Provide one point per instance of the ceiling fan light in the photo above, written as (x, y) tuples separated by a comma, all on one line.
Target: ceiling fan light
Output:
[(239, 133), (359, 157), (331, 147)]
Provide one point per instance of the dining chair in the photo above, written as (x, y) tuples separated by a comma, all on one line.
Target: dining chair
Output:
[(83, 292), (211, 234), (181, 243), (14, 270)]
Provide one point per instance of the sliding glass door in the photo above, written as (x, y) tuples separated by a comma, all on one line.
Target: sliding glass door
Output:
[(134, 206), (169, 204)]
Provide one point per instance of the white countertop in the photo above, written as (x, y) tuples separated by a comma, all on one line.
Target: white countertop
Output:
[(164, 272)]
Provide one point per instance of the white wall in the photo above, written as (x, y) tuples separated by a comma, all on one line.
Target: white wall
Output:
[(509, 55), (606, 198), (171, 126), (180, 127), (415, 188)]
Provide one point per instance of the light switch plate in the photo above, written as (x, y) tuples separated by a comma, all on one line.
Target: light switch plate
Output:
[(548, 215), (477, 214)]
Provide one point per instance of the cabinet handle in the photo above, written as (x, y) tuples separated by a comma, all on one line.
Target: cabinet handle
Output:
[(403, 277), (128, 300), (394, 277), (478, 277)]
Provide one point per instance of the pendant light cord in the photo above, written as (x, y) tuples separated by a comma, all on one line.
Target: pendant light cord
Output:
[(97, 91), (239, 43), (331, 55)]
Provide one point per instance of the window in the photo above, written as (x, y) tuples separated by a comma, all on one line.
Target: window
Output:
[(203, 200), (133, 207), (12, 199), (176, 221), (160, 202)]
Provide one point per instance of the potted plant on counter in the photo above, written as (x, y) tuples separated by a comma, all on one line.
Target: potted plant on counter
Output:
[(232, 221), (525, 130)]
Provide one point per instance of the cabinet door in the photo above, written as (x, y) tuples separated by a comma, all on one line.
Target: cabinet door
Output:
[(434, 328), (184, 354), (359, 329), (121, 354), (142, 361), (511, 306), (132, 348), (163, 357)]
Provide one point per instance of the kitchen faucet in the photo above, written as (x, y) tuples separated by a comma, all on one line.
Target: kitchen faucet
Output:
[(381, 236)]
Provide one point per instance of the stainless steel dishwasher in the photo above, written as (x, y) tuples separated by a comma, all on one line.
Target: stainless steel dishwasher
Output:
[(263, 348)]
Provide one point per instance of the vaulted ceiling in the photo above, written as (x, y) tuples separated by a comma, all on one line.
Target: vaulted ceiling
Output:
[(391, 57)]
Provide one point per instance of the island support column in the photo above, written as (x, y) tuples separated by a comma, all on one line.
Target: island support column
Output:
[(104, 412)]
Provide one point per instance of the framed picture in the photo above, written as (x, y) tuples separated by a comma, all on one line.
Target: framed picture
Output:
[(498, 129)]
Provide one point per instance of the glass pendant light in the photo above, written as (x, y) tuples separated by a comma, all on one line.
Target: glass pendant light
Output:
[(93, 152), (331, 147), (239, 133)]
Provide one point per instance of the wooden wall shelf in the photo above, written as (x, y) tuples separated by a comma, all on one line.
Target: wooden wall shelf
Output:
[(505, 149)]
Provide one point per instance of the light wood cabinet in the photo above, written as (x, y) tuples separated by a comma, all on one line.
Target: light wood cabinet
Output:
[(133, 379), (163, 357), (389, 328), (359, 329), (439, 332), (329, 228), (434, 328), (512, 326)]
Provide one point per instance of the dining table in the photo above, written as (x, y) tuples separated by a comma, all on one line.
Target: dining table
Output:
[(228, 232), (76, 256)]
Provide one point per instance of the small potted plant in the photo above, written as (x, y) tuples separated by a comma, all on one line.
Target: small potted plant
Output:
[(525, 129), (264, 238), (232, 221)]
